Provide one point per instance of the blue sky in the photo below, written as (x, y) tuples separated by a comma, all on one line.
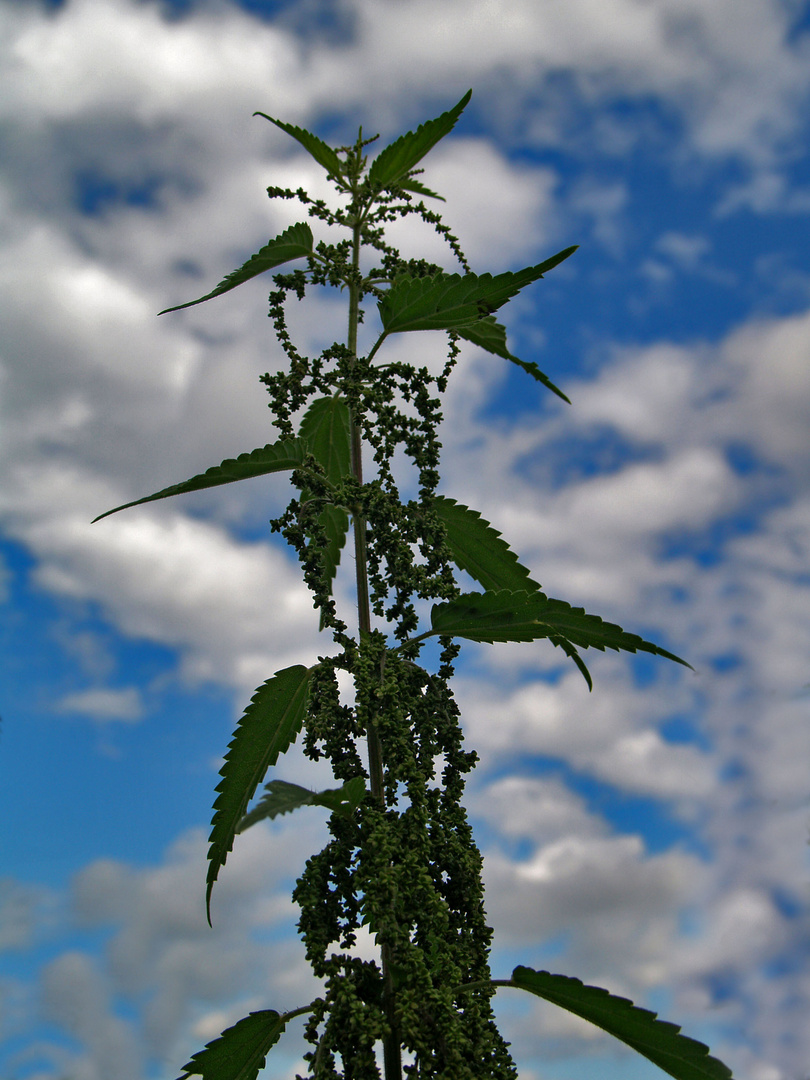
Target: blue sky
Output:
[(651, 837)]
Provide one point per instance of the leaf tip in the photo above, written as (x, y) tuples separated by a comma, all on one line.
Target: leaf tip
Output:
[(672, 656), (178, 307), (107, 513), (586, 675)]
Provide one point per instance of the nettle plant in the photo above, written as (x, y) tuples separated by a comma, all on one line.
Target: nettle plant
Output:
[(401, 860)]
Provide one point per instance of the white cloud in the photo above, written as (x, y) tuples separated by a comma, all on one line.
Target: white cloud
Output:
[(698, 57), (23, 910), (753, 388), (100, 704), (769, 375), (685, 256), (77, 997), (178, 972), (605, 204), (541, 810), (140, 61), (616, 906), (235, 609), (765, 192), (740, 932), (608, 734), (682, 248)]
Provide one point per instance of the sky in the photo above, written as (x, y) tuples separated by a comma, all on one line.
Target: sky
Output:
[(650, 837)]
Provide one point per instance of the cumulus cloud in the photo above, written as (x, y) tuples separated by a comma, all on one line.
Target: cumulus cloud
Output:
[(77, 997), (24, 910), (542, 810), (138, 566), (683, 53), (181, 972), (165, 982), (609, 735)]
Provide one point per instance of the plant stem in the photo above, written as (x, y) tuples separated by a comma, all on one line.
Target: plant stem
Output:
[(392, 1056)]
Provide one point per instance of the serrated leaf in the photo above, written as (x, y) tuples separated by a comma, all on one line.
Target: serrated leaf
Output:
[(480, 549), (293, 243), (240, 1051), (314, 146), (326, 430), (491, 335), (454, 301), (345, 799), (657, 1040), (504, 615), (282, 798), (275, 457), (394, 163), (532, 369), (572, 654), (419, 189), (335, 523), (269, 726)]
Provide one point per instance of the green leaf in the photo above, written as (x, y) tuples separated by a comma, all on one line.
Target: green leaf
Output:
[(269, 726), (345, 799), (504, 615), (293, 243), (454, 301), (657, 1040), (316, 147), (481, 550), (335, 522), (326, 430), (419, 189), (240, 1051), (282, 797), (571, 652), (393, 164), (532, 369), (275, 457), (491, 335)]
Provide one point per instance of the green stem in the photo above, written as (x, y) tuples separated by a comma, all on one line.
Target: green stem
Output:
[(302, 1011), (392, 1056)]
